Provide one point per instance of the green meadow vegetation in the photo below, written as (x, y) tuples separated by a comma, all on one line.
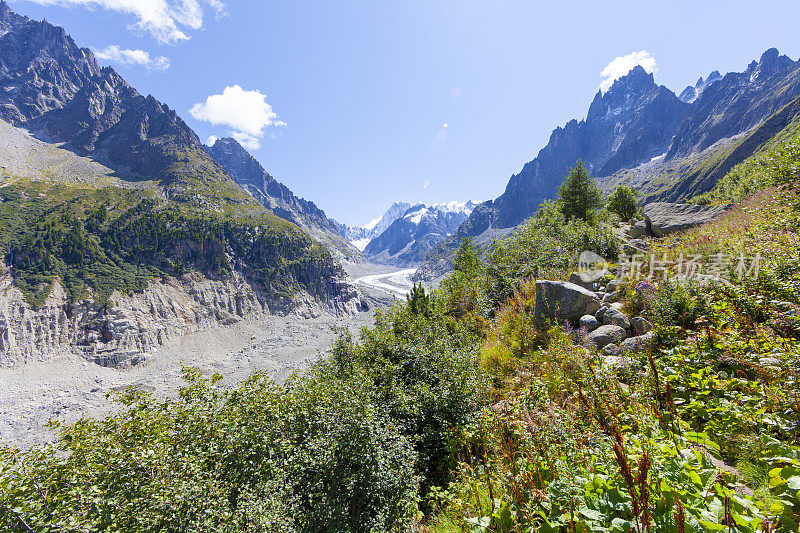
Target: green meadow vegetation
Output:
[(458, 412)]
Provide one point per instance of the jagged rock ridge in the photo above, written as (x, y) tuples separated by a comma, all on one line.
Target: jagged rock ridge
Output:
[(278, 198)]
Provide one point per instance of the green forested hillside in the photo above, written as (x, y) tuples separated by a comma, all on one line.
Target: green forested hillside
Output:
[(96, 240)]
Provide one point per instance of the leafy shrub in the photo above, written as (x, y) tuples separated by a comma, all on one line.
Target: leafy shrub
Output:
[(622, 201), (547, 244), (425, 376), (318, 456)]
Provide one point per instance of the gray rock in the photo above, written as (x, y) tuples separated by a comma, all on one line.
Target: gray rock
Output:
[(641, 325), (612, 285), (576, 279), (641, 344), (561, 300), (608, 334), (617, 306), (589, 322), (617, 318), (601, 312), (639, 229), (620, 363), (610, 349), (612, 297), (600, 294), (664, 218)]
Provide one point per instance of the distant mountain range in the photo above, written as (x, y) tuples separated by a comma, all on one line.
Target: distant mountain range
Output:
[(638, 133), (403, 235), (360, 236)]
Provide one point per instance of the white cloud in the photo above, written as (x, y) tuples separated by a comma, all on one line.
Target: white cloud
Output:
[(620, 66), (248, 141), (426, 184), (166, 20), (211, 140), (247, 113), (123, 56)]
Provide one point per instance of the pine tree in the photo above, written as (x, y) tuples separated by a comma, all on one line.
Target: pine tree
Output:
[(418, 302), (579, 195)]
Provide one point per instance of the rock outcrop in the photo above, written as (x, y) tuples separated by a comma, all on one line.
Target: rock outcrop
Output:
[(663, 218)]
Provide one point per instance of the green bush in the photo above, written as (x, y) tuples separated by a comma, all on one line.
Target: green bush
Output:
[(622, 201), (426, 377), (547, 244), (316, 456)]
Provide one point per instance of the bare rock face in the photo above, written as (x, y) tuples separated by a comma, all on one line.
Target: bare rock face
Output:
[(130, 327), (664, 218), (561, 300), (41, 68)]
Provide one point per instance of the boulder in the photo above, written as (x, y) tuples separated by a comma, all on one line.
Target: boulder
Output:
[(576, 279), (641, 325), (610, 349), (616, 318), (620, 363), (612, 285), (640, 344), (612, 297), (638, 229), (664, 218), (589, 322), (561, 300), (601, 312), (604, 335)]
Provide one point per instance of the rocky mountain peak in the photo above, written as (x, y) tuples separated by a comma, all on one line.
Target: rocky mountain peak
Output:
[(622, 95), (690, 94), (770, 63)]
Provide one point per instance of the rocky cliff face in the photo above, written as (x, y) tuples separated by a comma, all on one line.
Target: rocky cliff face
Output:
[(126, 331), (41, 68), (278, 198)]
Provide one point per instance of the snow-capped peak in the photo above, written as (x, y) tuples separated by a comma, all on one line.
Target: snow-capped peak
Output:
[(420, 211)]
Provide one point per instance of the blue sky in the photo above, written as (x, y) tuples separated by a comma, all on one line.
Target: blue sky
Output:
[(347, 101)]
